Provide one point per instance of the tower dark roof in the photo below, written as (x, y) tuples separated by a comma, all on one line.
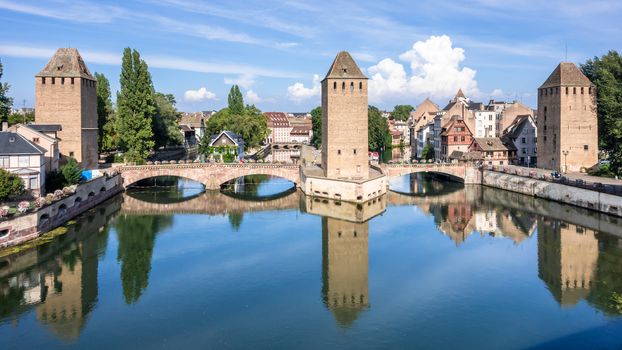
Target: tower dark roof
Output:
[(459, 94), (566, 73), (344, 67), (66, 62)]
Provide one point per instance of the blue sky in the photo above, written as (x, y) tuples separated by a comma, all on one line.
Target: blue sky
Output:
[(278, 51)]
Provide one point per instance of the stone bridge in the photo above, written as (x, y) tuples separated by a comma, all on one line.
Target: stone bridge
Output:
[(212, 175), (462, 172)]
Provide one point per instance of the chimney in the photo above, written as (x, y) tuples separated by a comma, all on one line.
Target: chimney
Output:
[(5, 126)]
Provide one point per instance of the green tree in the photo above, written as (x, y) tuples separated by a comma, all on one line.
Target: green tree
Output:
[(235, 219), (606, 73), (71, 172), (428, 152), (251, 125), (316, 126), (6, 102), (21, 118), (402, 112), (135, 108), (11, 185), (105, 114), (379, 134), (166, 121), (236, 101)]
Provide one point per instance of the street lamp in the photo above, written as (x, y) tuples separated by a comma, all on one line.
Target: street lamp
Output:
[(565, 153)]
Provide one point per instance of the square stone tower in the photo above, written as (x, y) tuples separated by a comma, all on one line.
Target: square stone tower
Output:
[(344, 121), (65, 94), (567, 122)]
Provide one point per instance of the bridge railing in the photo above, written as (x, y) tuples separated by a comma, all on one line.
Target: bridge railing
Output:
[(547, 175)]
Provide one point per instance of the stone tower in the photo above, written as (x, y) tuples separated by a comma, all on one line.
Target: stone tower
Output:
[(567, 123), (344, 120), (65, 94)]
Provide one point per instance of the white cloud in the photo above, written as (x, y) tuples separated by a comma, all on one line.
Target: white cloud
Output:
[(252, 97), (498, 93), (245, 80), (199, 95), (168, 62), (286, 45), (298, 92), (435, 71)]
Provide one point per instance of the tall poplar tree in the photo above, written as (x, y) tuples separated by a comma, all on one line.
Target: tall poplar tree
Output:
[(135, 108), (6, 102), (236, 101), (105, 114)]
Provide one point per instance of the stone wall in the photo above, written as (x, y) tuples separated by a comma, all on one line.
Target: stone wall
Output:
[(26, 227), (584, 198)]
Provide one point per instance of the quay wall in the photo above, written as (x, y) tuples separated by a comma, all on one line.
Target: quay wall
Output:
[(87, 195), (580, 197)]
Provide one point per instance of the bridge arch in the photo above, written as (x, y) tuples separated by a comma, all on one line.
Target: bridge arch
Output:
[(211, 175), (456, 172)]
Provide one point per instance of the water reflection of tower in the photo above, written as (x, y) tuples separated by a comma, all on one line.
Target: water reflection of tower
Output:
[(567, 258), (345, 268), (70, 290)]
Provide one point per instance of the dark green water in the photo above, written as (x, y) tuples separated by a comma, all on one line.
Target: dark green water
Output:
[(445, 268)]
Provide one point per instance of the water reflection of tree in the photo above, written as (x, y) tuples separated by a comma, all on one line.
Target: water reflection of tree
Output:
[(235, 219), (609, 276), (136, 235), (249, 184)]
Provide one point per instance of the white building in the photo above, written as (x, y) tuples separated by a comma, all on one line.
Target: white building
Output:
[(25, 159), (425, 135), (486, 124), (523, 133)]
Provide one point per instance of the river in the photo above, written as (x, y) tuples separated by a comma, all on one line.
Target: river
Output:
[(433, 265)]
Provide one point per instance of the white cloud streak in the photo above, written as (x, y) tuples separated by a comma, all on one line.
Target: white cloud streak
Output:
[(298, 92)]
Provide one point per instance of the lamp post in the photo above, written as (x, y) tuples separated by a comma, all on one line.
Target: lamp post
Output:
[(565, 153)]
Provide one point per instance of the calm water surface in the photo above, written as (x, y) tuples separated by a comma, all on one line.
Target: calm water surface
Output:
[(436, 266)]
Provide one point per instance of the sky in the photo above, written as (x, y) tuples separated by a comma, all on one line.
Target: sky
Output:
[(278, 51)]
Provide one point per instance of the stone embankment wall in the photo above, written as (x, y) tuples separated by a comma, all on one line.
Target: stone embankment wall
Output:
[(26, 227), (581, 197)]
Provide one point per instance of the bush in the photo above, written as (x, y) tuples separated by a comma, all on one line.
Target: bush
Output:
[(228, 157), (11, 185), (71, 172), (118, 158), (53, 181)]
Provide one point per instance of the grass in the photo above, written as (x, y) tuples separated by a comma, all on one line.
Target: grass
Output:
[(43, 239)]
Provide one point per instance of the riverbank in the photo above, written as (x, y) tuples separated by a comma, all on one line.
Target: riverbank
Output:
[(29, 226)]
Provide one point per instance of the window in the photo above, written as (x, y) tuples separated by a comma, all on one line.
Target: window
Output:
[(360, 86), (355, 151), (4, 161), (338, 151), (566, 90), (586, 147), (35, 139), (33, 182), (523, 140), (62, 81), (574, 90), (490, 117), (23, 161), (544, 138), (335, 86), (462, 138), (343, 85), (53, 80), (358, 168), (42, 80), (71, 153), (581, 91), (589, 90), (524, 151), (455, 138), (351, 86), (72, 81)]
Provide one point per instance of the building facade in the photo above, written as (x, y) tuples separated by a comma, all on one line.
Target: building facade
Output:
[(567, 122), (44, 140), (279, 128), (485, 124), (523, 135), (65, 94), (24, 159), (344, 120), (493, 150), (456, 136)]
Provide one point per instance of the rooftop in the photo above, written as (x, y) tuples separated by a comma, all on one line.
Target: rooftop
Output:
[(566, 73), (488, 144), (66, 62), (344, 67), (12, 143)]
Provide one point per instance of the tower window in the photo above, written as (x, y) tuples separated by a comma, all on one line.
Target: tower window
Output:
[(586, 147), (574, 90), (360, 86), (343, 85), (62, 81), (339, 151), (355, 151), (335, 86), (581, 91), (71, 154), (42, 80), (72, 81), (351, 86), (566, 90), (53, 80), (589, 90)]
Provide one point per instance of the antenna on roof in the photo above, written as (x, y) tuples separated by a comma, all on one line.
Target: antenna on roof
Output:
[(566, 59)]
